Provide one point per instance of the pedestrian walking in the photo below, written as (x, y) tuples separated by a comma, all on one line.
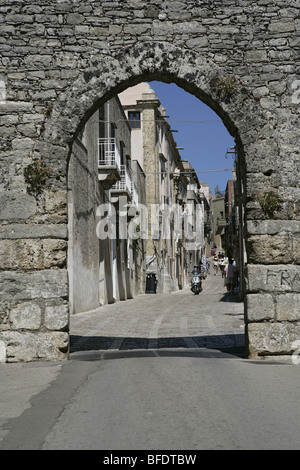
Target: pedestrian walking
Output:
[(230, 271), (215, 265), (223, 263), (207, 266)]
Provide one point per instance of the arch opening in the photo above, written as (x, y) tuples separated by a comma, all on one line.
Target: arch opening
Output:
[(112, 121), (257, 131)]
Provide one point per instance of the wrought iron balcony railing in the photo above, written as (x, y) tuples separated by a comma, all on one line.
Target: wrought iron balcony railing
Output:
[(108, 162), (108, 153), (124, 185)]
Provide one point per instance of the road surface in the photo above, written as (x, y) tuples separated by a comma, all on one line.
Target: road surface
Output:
[(159, 372)]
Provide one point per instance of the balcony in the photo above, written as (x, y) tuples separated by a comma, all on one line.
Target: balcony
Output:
[(122, 187), (108, 162)]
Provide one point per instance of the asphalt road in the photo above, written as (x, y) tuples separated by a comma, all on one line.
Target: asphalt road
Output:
[(154, 373)]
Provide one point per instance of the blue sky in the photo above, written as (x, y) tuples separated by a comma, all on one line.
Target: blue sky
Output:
[(205, 144)]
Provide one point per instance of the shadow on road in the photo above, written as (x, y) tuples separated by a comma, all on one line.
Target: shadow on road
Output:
[(229, 344), (230, 298)]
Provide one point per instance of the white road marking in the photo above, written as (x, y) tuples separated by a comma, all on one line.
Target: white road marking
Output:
[(185, 334)]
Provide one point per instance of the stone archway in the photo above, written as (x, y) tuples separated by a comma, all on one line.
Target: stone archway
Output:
[(34, 284)]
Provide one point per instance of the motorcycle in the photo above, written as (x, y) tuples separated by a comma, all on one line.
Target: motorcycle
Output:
[(196, 282)]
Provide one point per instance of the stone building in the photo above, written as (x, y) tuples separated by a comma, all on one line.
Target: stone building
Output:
[(62, 60), (154, 147), (198, 201), (232, 220), (206, 199), (102, 262), (219, 223), (234, 238), (84, 196)]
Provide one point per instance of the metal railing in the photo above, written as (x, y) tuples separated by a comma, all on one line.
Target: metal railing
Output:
[(125, 182), (108, 152)]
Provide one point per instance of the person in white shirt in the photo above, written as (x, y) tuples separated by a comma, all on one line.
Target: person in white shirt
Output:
[(230, 271), (215, 264)]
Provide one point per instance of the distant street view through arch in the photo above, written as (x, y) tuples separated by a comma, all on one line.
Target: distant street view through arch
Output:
[(157, 216)]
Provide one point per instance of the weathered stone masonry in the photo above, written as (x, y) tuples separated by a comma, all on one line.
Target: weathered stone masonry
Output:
[(62, 58)]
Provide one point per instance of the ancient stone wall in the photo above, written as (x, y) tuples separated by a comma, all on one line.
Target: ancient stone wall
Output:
[(60, 59)]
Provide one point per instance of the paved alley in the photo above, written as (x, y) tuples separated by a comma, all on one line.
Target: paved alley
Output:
[(211, 320)]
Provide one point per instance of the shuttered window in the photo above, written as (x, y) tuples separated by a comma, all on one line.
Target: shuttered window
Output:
[(134, 118)]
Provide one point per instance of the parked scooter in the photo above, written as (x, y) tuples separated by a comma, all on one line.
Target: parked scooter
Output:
[(196, 281)]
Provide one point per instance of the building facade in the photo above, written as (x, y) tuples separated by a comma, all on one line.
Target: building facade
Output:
[(167, 188), (104, 264), (219, 223), (134, 206)]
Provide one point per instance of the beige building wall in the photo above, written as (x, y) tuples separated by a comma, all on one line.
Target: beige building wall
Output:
[(154, 148), (83, 199), (100, 270), (218, 209)]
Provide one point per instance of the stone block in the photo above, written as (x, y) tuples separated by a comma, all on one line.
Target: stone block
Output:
[(277, 278), (162, 28), (272, 227), (284, 26), (19, 18), (268, 338), (22, 144), (192, 27), (57, 317), (79, 29), (56, 203), (21, 254), (137, 29), (45, 284), (256, 56), (261, 91), (270, 249), (259, 307), (15, 231), (55, 253), (288, 307), (26, 316), (27, 346), (197, 42), (16, 205)]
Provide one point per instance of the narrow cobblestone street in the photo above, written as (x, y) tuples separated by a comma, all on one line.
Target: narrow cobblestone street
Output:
[(211, 320)]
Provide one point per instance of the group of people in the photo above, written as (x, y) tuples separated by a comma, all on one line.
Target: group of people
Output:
[(203, 269), (222, 264), (227, 268)]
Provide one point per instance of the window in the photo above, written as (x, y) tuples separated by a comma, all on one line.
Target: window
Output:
[(134, 118)]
